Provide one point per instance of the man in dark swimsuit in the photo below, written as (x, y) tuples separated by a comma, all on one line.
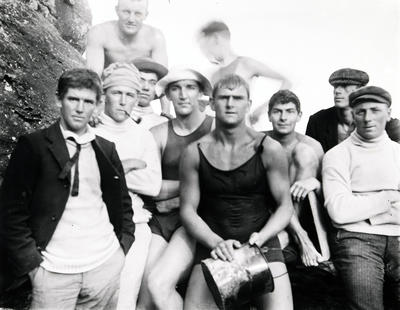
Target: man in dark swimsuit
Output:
[(171, 249), (235, 189)]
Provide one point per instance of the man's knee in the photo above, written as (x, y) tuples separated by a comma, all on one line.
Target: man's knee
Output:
[(159, 285)]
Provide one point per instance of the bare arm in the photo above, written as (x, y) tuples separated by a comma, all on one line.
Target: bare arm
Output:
[(261, 69), (95, 50), (190, 197), (276, 164)]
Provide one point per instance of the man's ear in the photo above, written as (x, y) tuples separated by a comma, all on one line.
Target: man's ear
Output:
[(389, 113), (58, 102), (299, 115), (212, 104), (249, 105)]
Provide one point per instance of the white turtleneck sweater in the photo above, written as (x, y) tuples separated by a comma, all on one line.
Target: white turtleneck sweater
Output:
[(149, 117), (356, 176), (133, 141)]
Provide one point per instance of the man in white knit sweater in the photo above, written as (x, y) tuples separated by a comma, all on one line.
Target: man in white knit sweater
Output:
[(361, 183), (138, 152)]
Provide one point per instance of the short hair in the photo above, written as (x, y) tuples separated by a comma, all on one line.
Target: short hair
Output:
[(201, 88), (79, 78), (231, 81), (215, 27), (282, 97)]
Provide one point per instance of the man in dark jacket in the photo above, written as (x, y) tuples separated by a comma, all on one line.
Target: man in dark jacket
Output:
[(331, 126), (67, 212)]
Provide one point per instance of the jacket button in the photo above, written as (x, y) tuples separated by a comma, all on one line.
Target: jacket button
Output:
[(65, 185), (53, 218), (39, 248)]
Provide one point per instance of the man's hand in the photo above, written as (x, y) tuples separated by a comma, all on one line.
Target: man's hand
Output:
[(300, 189), (255, 239), (32, 273), (166, 206), (392, 216), (142, 217), (133, 164), (224, 250)]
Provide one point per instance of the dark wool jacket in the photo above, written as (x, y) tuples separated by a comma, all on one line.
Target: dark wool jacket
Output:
[(33, 195)]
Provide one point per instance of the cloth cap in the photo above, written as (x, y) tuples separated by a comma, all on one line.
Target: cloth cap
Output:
[(348, 76), (183, 74), (121, 74), (369, 94), (148, 64)]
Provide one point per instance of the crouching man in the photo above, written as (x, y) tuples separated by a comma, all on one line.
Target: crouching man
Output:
[(361, 179), (68, 215)]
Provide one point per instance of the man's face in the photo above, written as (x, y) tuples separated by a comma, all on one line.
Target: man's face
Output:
[(231, 105), (284, 117), (341, 94), (119, 101), (210, 48), (148, 91), (370, 119), (131, 15), (185, 95), (77, 106)]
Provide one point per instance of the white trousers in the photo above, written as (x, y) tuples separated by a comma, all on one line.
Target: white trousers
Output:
[(132, 273)]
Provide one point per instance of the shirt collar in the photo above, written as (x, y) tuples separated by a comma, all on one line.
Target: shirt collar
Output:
[(87, 137)]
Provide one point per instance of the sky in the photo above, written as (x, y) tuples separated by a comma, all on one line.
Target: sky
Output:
[(304, 40)]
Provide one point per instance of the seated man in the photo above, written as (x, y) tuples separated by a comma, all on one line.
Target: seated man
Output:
[(305, 157), (126, 39), (361, 183), (235, 189), (150, 72), (138, 152), (331, 126), (68, 212), (171, 250)]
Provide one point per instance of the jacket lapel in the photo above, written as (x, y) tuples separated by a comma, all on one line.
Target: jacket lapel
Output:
[(57, 145)]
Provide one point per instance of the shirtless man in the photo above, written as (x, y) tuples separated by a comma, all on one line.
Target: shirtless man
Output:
[(171, 249), (126, 39), (214, 41), (235, 189), (305, 157)]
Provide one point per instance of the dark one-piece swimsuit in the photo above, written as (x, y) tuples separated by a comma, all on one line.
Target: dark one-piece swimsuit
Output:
[(235, 203)]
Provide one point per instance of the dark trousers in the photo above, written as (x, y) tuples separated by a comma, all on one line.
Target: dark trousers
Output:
[(365, 263)]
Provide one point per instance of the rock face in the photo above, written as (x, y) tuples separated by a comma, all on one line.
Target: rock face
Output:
[(32, 57)]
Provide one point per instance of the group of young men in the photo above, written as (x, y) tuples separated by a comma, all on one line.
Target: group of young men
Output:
[(120, 216)]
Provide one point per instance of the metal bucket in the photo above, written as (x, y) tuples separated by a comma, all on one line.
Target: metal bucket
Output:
[(235, 283)]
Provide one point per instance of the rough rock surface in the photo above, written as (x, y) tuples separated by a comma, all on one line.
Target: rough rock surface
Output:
[(32, 57)]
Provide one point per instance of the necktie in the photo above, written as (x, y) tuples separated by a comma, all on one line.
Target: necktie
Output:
[(67, 168)]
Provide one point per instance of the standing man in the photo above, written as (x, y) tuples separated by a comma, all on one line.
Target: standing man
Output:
[(138, 153), (126, 39), (171, 249), (68, 215), (361, 183), (332, 126), (215, 43), (305, 159), (150, 73), (235, 189)]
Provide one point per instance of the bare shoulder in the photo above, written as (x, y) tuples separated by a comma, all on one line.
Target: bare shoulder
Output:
[(271, 146), (160, 134), (307, 144)]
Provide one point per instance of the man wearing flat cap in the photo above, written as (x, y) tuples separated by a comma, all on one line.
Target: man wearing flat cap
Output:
[(361, 183), (150, 72), (331, 126), (171, 249), (138, 152), (68, 214)]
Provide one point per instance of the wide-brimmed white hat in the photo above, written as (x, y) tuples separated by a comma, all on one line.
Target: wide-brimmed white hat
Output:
[(148, 64), (175, 75)]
